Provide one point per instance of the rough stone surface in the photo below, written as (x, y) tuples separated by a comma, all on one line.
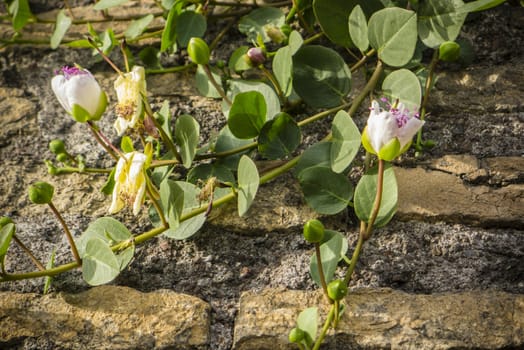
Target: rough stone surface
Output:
[(440, 196), (388, 319), (106, 317)]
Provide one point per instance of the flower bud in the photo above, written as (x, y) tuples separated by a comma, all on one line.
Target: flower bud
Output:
[(57, 146), (198, 51), (79, 93), (449, 51), (275, 34), (4, 220), (296, 335), (314, 231), (337, 289), (62, 157), (41, 192), (256, 56)]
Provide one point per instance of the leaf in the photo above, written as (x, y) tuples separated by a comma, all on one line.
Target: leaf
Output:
[(62, 25), (203, 172), (320, 76), (318, 154), (325, 191), (248, 181), (169, 32), (283, 63), (126, 144), (307, 321), (6, 234), (255, 23), (270, 96), (172, 200), (164, 117), (247, 114), (109, 185), (358, 28), (226, 141), (20, 13), (99, 263), (479, 5), (332, 249), (187, 132), (109, 230), (439, 21), (403, 84), (345, 142), (150, 57), (279, 137), (49, 279), (393, 33), (204, 85), (365, 196), (237, 61), (189, 24), (105, 4), (138, 26)]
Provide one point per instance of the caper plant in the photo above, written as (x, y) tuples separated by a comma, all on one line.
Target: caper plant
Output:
[(295, 68)]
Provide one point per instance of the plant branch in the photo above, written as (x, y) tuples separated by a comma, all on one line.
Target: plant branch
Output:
[(67, 233)]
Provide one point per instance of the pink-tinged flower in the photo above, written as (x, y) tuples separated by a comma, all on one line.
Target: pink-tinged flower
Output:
[(130, 90), (130, 182), (79, 93), (389, 133)]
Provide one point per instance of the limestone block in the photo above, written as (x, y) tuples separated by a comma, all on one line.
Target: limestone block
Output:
[(387, 319), (106, 317)]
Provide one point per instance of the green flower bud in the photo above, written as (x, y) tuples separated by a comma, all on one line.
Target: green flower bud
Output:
[(62, 157), (57, 146), (296, 335), (41, 192), (4, 220), (337, 289), (198, 51), (221, 64), (286, 28), (449, 51), (51, 169), (314, 231)]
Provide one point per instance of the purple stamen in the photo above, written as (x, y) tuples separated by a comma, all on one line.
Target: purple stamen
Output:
[(70, 71)]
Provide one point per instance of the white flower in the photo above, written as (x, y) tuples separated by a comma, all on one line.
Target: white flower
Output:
[(79, 93), (130, 87), (130, 182), (389, 132)]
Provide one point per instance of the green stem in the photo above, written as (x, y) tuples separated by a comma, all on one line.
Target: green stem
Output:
[(171, 69), (69, 170), (29, 253), (325, 328), (356, 253), (313, 38), (102, 140), (362, 60), (275, 84), (321, 270), (67, 233), (219, 89), (427, 89), (378, 199)]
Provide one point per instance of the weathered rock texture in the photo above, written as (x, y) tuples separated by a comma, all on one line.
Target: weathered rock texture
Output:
[(106, 317), (388, 319)]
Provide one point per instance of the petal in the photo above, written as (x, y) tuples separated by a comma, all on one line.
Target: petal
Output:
[(121, 126), (84, 91), (381, 128), (58, 84), (406, 133), (140, 194)]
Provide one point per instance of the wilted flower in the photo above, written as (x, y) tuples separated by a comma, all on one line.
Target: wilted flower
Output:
[(79, 93), (130, 87), (389, 133), (130, 182)]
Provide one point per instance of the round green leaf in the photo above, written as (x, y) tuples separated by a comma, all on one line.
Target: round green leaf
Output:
[(307, 321), (440, 21), (248, 181), (358, 28), (99, 263), (172, 198), (404, 85), (320, 76), (109, 230), (62, 25), (138, 26), (237, 61), (279, 137), (332, 248), (345, 142), (365, 196), (247, 114), (226, 141), (393, 33), (6, 234), (187, 132), (202, 172), (325, 191), (256, 22), (270, 96), (333, 18), (188, 25), (316, 155)]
